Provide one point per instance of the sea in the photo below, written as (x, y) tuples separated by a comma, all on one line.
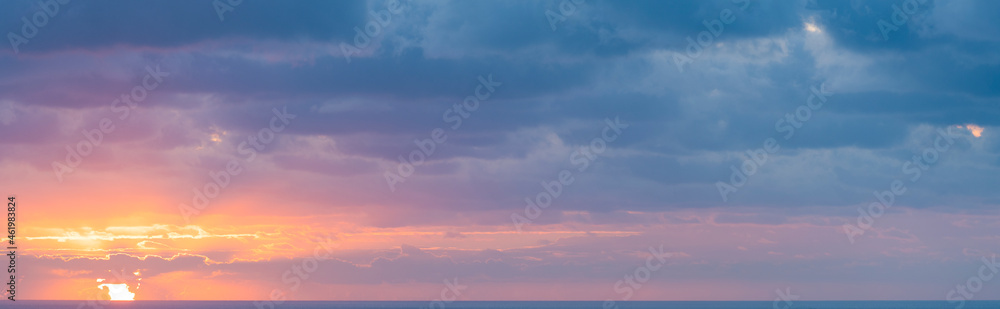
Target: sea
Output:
[(45, 304)]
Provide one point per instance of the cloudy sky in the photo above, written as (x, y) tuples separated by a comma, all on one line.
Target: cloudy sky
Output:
[(716, 150)]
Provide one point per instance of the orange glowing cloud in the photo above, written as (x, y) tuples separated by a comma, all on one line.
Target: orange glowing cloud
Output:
[(977, 131)]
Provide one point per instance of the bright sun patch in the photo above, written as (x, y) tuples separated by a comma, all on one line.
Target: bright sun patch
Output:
[(811, 27), (118, 292)]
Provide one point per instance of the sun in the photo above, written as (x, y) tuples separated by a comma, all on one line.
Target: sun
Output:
[(118, 292)]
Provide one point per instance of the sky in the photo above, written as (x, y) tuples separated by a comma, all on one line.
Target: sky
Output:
[(503, 150)]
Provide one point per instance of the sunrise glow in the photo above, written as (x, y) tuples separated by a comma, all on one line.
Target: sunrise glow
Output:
[(118, 292), (455, 150)]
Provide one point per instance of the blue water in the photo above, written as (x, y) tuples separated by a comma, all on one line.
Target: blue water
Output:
[(45, 304)]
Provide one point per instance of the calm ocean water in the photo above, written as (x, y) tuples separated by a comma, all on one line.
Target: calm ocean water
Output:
[(513, 304)]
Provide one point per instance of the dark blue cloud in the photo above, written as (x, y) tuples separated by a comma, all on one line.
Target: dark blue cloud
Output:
[(607, 59), (94, 25)]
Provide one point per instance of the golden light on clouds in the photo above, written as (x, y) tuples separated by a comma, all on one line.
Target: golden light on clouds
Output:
[(977, 131)]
